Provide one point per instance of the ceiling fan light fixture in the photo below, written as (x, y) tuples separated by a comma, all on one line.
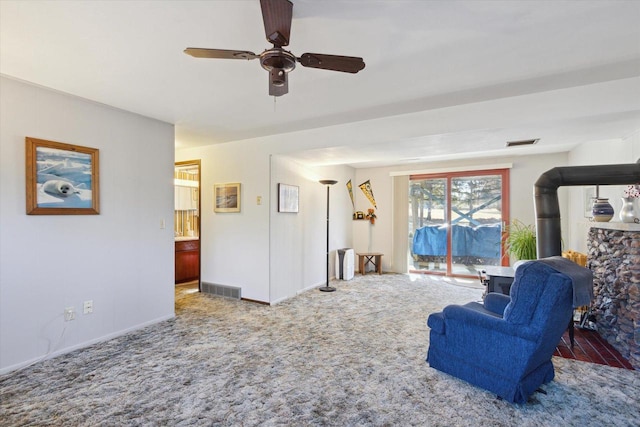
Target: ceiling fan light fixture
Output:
[(277, 58), (278, 77), (522, 142)]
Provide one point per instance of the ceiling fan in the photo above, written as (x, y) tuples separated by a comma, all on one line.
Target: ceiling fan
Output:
[(277, 15)]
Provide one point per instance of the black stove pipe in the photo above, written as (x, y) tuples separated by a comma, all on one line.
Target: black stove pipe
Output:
[(548, 235)]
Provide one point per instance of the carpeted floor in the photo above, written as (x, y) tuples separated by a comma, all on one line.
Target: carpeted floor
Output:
[(350, 358)]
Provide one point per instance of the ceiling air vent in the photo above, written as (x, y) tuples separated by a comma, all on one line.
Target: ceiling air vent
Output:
[(522, 142)]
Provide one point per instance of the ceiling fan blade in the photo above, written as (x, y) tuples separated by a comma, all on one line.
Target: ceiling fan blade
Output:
[(277, 15), (346, 64), (219, 53), (278, 83)]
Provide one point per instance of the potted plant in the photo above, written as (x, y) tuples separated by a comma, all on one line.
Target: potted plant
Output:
[(521, 241)]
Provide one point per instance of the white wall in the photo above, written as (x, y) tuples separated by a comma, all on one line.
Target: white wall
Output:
[(270, 256), (298, 240), (376, 237), (524, 173), (238, 249), (235, 246), (617, 151), (634, 141), (120, 259)]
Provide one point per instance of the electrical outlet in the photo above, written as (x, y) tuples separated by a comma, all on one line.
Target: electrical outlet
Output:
[(69, 314), (88, 307), (163, 224)]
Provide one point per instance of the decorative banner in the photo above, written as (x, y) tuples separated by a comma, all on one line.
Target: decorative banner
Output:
[(366, 189), (350, 188)]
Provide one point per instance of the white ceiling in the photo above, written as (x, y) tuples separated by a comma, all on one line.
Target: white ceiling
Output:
[(443, 79)]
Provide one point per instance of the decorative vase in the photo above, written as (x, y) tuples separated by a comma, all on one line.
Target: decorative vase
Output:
[(627, 213), (602, 210)]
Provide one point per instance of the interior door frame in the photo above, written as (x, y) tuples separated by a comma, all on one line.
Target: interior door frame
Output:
[(504, 173), (197, 163)]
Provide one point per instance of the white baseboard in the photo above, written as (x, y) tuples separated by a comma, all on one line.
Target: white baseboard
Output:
[(84, 344)]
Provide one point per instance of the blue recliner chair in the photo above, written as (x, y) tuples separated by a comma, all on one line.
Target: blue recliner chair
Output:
[(505, 345)]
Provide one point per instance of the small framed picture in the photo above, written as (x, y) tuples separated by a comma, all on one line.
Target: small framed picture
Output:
[(589, 196), (62, 179), (227, 197), (288, 198)]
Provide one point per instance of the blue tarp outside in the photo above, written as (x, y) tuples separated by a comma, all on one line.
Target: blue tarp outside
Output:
[(481, 242)]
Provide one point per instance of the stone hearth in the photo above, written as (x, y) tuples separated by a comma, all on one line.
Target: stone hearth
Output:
[(614, 258)]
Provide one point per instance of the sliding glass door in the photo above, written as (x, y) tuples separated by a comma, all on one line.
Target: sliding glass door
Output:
[(455, 221), (428, 219)]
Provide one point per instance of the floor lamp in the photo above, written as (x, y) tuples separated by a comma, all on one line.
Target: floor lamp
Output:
[(328, 183)]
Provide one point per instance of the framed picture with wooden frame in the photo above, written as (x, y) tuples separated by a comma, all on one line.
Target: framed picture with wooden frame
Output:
[(288, 198), (226, 197), (62, 179)]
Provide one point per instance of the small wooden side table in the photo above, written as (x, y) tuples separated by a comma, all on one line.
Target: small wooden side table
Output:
[(374, 258)]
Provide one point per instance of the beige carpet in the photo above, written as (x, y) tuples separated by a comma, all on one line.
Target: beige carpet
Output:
[(350, 358)]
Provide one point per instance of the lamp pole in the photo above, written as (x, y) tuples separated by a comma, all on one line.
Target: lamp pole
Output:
[(326, 287)]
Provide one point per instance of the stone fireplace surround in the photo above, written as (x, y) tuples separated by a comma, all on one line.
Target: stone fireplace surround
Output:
[(614, 259)]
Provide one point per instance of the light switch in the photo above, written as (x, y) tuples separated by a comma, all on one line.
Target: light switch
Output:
[(259, 200)]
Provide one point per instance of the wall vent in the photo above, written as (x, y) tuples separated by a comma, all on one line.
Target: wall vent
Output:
[(221, 290), (522, 142)]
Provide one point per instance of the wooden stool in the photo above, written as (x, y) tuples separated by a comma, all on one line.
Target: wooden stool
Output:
[(374, 258)]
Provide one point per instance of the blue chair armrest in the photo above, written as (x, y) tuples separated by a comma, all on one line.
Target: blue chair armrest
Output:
[(465, 315), (496, 302), (436, 322)]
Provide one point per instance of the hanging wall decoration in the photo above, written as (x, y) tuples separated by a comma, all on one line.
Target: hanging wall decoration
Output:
[(350, 188), (368, 192)]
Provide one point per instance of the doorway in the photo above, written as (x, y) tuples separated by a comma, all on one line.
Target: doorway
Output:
[(456, 221), (187, 223)]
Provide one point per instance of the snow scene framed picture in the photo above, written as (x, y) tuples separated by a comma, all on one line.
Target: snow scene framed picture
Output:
[(62, 179)]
